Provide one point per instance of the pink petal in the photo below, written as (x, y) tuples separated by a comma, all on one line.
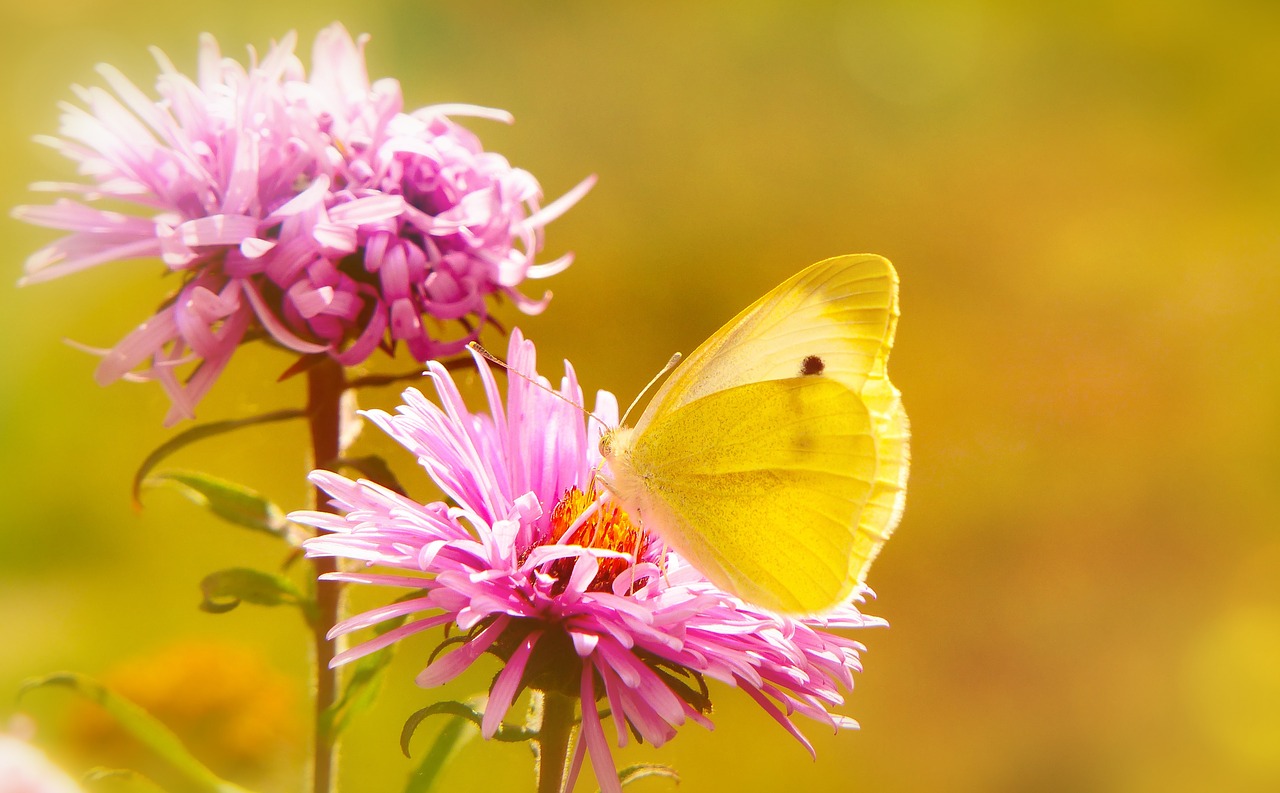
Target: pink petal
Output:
[(368, 619), (575, 766), (778, 716), (380, 579), (449, 666), (368, 340), (338, 64), (309, 301), (242, 189), (561, 205), (584, 644), (254, 248), (548, 269), (334, 239), (308, 199), (616, 706), (273, 325), (387, 639), (217, 230), (460, 109), (58, 259), (368, 210), (505, 686), (74, 216), (139, 345), (593, 736)]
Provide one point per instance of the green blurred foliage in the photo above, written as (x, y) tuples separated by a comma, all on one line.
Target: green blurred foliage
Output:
[(1081, 199)]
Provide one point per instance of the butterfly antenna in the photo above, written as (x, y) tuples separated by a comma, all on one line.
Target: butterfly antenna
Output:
[(671, 364), (475, 347)]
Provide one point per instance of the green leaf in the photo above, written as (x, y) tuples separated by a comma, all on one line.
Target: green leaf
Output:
[(226, 589), (642, 770), (472, 710), (375, 469), (200, 432), (142, 726), (231, 502), (453, 736)]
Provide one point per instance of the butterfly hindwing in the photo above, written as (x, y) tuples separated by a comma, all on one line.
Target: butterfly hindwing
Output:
[(760, 487), (889, 491)]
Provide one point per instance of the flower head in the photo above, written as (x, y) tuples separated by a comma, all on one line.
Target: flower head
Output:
[(532, 565), (313, 211), (26, 769), (222, 699)]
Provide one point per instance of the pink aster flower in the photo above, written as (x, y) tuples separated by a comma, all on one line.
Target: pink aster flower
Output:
[(314, 211), (531, 566), (26, 769)]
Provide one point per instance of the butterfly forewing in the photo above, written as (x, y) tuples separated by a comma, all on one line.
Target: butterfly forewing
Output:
[(834, 317)]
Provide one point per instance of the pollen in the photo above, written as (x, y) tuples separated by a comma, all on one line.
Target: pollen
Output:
[(608, 528)]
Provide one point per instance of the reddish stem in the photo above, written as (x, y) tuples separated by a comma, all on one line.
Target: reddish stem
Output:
[(325, 383)]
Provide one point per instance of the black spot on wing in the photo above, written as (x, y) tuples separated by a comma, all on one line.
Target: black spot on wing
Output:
[(812, 364)]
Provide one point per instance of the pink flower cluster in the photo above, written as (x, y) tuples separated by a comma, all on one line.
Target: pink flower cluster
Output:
[(531, 566), (312, 210), (26, 769)]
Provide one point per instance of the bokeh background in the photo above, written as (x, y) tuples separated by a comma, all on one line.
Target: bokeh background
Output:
[(1082, 201)]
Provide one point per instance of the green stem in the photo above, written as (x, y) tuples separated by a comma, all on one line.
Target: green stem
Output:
[(325, 383), (554, 739)]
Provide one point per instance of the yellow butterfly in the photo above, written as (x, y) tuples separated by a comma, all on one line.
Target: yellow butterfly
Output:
[(775, 457)]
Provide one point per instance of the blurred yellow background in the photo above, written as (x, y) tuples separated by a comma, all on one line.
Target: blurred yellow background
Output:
[(1082, 203)]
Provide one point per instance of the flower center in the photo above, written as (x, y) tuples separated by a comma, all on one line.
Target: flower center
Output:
[(608, 528)]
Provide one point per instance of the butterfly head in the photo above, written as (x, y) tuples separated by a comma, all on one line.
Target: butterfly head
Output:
[(622, 481), (615, 443)]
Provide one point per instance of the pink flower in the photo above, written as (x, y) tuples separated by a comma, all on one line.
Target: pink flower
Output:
[(529, 565), (313, 211), (25, 769)]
